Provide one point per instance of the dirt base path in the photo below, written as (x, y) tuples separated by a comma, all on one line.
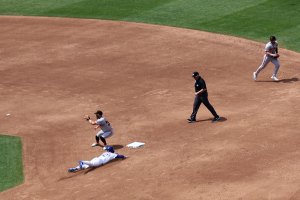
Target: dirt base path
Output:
[(53, 71)]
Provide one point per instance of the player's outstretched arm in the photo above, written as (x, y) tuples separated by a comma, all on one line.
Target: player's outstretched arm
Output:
[(87, 118), (121, 156)]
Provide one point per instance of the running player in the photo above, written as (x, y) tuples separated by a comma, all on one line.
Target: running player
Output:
[(98, 161), (106, 129), (271, 55)]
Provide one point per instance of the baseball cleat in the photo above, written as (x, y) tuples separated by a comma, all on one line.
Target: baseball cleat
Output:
[(72, 169), (254, 76), (80, 164), (274, 78), (191, 120), (95, 144), (215, 119)]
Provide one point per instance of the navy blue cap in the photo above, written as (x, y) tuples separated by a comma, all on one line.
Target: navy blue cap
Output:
[(195, 74)]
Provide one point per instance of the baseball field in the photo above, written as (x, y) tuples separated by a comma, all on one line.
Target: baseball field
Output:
[(133, 60), (11, 161)]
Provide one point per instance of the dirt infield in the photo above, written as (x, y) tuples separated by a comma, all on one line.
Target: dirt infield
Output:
[(53, 71)]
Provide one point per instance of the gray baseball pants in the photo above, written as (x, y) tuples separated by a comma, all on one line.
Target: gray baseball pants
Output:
[(265, 62)]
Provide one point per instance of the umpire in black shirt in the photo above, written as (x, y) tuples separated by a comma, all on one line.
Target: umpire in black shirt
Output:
[(201, 96)]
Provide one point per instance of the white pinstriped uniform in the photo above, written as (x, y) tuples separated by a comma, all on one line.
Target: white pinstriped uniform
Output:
[(100, 160)]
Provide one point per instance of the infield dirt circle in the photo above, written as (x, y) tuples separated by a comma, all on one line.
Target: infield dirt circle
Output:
[(54, 71)]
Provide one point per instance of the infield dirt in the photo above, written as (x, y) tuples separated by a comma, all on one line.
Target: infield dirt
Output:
[(54, 71)]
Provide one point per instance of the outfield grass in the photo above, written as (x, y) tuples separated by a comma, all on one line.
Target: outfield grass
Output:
[(11, 167), (252, 19)]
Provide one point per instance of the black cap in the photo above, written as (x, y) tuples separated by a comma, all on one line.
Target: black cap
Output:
[(272, 38), (99, 112), (195, 74)]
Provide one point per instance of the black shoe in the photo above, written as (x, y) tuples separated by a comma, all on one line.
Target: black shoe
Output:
[(215, 119), (191, 120)]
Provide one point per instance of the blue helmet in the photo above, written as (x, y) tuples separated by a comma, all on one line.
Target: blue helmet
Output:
[(109, 149)]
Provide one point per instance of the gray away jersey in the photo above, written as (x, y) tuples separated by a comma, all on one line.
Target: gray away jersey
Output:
[(271, 47), (104, 125)]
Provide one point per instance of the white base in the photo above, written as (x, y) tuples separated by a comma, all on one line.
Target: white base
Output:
[(135, 144)]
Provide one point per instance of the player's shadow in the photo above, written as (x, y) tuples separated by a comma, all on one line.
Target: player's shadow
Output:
[(289, 80), (222, 119), (286, 80), (89, 170), (203, 120), (115, 146), (71, 175)]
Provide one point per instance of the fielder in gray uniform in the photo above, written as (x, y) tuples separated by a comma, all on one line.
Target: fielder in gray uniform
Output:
[(106, 129), (271, 55)]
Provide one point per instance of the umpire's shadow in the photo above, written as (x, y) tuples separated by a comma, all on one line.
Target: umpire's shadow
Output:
[(222, 119)]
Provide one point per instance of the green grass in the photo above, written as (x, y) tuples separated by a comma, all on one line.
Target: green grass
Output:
[(11, 168), (252, 19)]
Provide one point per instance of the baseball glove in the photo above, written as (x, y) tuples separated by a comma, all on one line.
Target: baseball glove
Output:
[(87, 118), (276, 55)]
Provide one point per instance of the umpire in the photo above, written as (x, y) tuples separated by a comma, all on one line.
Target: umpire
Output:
[(201, 96)]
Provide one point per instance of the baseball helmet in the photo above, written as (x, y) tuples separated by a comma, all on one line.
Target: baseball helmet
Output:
[(109, 149)]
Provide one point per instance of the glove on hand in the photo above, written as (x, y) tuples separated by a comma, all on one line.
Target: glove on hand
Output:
[(87, 118)]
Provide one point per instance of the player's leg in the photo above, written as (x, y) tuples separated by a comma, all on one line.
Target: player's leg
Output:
[(97, 138), (96, 162), (103, 140), (84, 164), (105, 135), (264, 63), (79, 167), (210, 108), (196, 106), (276, 68)]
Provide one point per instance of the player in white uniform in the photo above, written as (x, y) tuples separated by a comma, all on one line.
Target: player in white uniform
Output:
[(271, 55), (106, 129), (98, 161)]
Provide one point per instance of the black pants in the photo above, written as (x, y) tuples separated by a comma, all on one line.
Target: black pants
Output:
[(197, 102)]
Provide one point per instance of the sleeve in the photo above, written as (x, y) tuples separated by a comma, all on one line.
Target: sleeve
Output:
[(99, 122), (268, 47), (120, 156), (203, 84)]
